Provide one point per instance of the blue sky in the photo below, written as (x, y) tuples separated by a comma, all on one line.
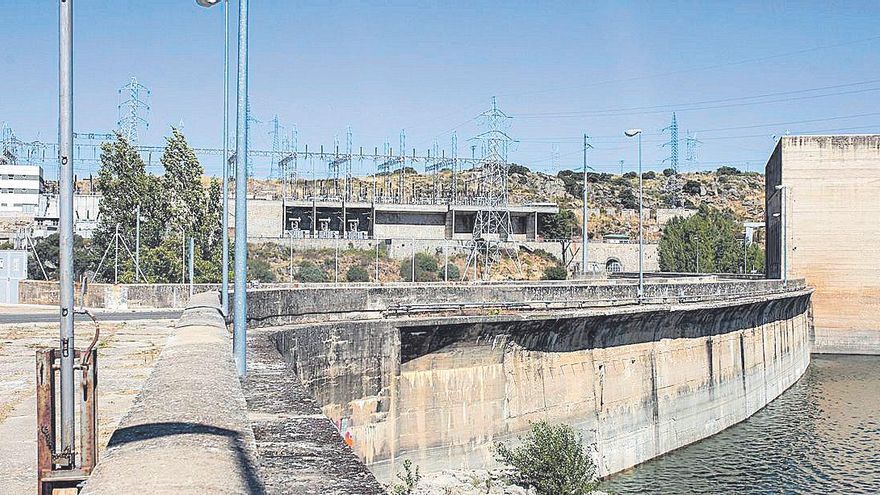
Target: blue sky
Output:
[(558, 68)]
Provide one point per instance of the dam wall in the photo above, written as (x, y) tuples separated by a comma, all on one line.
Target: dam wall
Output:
[(636, 381), (286, 305)]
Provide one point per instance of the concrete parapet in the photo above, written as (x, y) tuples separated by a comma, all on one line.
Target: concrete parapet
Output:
[(116, 297), (188, 431)]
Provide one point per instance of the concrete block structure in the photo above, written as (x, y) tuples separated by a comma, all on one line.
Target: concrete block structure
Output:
[(829, 204)]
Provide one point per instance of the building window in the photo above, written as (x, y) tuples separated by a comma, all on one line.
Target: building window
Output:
[(613, 266)]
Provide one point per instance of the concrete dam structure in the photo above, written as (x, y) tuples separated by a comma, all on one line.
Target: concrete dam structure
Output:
[(438, 383)]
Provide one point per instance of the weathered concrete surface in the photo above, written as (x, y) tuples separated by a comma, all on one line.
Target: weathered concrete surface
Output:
[(188, 430), (117, 297), (126, 354), (300, 450), (637, 381), (280, 306), (832, 189)]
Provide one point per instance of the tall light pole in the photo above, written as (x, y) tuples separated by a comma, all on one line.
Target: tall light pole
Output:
[(224, 256), (632, 133), (239, 340), (65, 223)]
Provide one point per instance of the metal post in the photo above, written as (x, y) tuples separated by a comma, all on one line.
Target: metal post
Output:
[(377, 261), (137, 245), (336, 263), (239, 341), (116, 261), (413, 267), (192, 263), (290, 269), (65, 224), (641, 231), (224, 256), (586, 242), (445, 262)]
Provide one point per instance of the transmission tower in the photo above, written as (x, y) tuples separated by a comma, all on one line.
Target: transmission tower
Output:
[(672, 143), (277, 137), (133, 109), (492, 226), (691, 143)]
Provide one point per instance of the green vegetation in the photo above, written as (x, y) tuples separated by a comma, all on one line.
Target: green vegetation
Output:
[(552, 459), (357, 273), (628, 200), (452, 272), (260, 271), (555, 272), (426, 269), (691, 187), (558, 226), (409, 478), (649, 175), (668, 172), (310, 273), (707, 243), (726, 170), (517, 169), (47, 250)]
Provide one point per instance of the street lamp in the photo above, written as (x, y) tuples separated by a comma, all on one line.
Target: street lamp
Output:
[(224, 256), (633, 133)]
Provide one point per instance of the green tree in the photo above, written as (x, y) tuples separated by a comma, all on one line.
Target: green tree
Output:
[(182, 183), (357, 273), (451, 271), (552, 459), (558, 226), (48, 251), (707, 243), (124, 185)]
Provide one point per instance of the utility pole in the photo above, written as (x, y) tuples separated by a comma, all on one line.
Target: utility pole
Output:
[(224, 256), (65, 224), (137, 244), (192, 259), (586, 212), (116, 261), (239, 339)]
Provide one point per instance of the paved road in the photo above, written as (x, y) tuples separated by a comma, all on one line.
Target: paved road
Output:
[(46, 317)]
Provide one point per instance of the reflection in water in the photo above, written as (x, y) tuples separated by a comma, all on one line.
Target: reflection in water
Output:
[(820, 436)]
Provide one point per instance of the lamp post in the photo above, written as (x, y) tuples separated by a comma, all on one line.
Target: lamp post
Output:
[(65, 224), (633, 133), (586, 212), (224, 256)]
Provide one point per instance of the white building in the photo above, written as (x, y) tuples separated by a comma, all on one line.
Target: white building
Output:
[(20, 188)]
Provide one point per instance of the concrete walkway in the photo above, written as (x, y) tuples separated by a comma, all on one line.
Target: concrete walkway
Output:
[(188, 431), (126, 353)]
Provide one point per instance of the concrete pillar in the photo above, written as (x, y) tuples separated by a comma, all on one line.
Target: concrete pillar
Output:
[(314, 218)]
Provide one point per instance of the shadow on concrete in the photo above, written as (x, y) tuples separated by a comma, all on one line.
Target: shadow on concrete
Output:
[(149, 431)]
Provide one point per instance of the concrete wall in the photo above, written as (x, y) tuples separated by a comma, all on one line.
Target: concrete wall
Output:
[(832, 209), (116, 297), (637, 382)]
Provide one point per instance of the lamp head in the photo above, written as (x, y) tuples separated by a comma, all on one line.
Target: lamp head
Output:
[(207, 3), (632, 132)]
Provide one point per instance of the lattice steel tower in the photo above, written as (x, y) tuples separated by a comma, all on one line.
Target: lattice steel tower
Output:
[(492, 225), (672, 143), (133, 110)]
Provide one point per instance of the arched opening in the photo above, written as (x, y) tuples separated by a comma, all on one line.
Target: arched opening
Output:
[(613, 266)]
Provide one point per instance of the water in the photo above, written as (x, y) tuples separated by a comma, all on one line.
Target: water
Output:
[(820, 436)]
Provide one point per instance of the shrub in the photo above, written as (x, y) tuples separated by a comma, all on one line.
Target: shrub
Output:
[(426, 268), (259, 270), (453, 272), (691, 187), (560, 225), (310, 273), (628, 200), (630, 175), (357, 273), (555, 272), (649, 175), (409, 479), (726, 170), (668, 172), (552, 459)]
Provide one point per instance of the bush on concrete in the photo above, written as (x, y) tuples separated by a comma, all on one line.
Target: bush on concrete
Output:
[(552, 459)]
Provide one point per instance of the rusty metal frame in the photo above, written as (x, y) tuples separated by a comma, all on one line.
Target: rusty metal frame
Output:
[(58, 469)]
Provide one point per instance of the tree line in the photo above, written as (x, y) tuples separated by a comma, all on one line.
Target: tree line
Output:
[(173, 207)]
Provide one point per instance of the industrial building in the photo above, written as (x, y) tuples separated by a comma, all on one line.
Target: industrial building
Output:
[(822, 210)]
